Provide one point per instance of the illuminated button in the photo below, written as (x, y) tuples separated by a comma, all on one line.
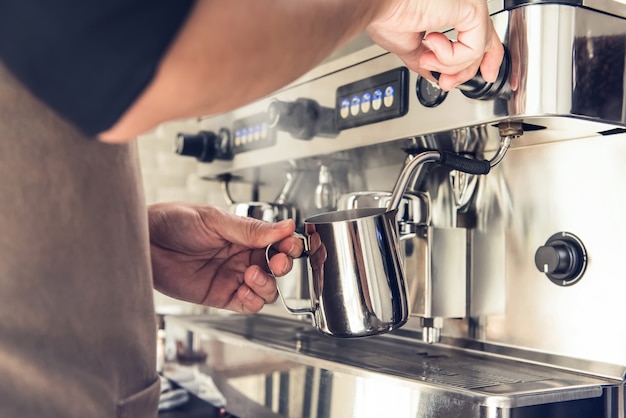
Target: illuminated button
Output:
[(355, 104), (251, 133), (366, 102), (377, 99), (344, 109), (257, 132), (389, 96), (237, 137), (244, 136)]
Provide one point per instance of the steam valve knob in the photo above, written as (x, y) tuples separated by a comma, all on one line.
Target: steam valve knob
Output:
[(303, 118), (563, 259), (206, 146), (478, 88), (554, 258)]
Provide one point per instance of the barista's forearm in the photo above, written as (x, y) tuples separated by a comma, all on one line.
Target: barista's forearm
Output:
[(232, 52)]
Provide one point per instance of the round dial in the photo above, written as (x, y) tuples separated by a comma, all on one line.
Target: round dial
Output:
[(563, 259), (428, 93)]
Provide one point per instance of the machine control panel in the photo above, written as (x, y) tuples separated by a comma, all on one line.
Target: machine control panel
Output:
[(252, 132), (373, 99)]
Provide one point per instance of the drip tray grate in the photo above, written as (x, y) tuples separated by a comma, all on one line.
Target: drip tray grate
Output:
[(445, 368)]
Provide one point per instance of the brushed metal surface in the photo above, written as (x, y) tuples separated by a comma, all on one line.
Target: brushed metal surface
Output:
[(572, 186), (273, 367)]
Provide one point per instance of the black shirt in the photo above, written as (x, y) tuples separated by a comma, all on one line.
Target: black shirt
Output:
[(88, 60)]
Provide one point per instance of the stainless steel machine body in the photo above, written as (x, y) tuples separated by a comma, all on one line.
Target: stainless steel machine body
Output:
[(516, 278)]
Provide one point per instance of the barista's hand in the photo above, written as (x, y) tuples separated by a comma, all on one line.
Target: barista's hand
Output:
[(401, 27), (208, 256)]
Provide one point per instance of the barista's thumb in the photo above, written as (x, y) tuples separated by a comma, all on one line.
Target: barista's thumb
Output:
[(254, 233)]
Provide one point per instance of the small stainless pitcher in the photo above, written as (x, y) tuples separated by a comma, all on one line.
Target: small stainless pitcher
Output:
[(356, 277)]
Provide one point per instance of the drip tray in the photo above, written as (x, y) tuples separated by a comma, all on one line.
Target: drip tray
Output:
[(241, 349)]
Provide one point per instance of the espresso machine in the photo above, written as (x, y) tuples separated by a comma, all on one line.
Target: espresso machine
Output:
[(514, 278)]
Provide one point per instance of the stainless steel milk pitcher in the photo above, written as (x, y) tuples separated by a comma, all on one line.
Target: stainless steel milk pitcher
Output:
[(356, 274)]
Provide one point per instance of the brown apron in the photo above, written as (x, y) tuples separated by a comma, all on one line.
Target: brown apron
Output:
[(77, 325)]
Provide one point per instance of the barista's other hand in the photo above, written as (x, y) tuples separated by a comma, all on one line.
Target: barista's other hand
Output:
[(206, 255), (401, 27)]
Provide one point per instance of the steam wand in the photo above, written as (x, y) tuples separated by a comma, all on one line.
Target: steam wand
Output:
[(508, 131)]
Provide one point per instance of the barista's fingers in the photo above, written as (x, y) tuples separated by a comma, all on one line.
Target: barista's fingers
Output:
[(460, 60), (281, 255), (250, 301), (280, 264), (261, 285), (447, 82), (292, 246)]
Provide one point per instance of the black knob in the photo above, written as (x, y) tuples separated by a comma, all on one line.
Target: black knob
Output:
[(563, 259), (303, 119), (206, 146), (555, 258), (478, 88)]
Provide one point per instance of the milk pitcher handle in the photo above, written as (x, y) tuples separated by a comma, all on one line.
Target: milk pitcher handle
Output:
[(292, 310)]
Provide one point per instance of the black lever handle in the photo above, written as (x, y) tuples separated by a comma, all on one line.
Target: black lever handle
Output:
[(466, 165)]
